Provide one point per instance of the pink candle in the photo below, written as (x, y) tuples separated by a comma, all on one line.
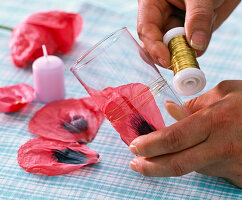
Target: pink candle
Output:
[(48, 72)]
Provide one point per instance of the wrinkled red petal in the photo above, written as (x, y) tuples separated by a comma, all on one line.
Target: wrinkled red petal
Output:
[(26, 41), (15, 97), (64, 27), (131, 109), (56, 29), (36, 156), (48, 121)]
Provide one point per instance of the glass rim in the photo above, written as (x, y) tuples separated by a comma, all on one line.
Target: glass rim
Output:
[(85, 54)]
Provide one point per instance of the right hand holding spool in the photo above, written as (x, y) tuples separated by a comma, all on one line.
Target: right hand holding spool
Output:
[(188, 79), (156, 17)]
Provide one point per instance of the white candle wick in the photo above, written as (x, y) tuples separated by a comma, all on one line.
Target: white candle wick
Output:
[(45, 52)]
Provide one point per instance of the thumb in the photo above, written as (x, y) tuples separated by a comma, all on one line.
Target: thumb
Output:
[(193, 105), (198, 23), (179, 112)]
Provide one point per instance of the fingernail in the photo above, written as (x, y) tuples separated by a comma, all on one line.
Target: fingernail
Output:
[(213, 22), (162, 62), (169, 101), (199, 40), (132, 165), (141, 44), (214, 18), (133, 149)]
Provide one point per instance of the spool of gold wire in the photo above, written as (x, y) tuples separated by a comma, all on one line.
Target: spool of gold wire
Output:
[(188, 78), (182, 55)]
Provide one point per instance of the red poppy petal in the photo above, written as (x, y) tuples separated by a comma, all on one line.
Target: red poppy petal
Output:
[(26, 41), (64, 27), (49, 121), (56, 29), (15, 97), (37, 156), (131, 109)]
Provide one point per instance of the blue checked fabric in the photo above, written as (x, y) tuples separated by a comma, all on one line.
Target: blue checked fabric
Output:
[(111, 178)]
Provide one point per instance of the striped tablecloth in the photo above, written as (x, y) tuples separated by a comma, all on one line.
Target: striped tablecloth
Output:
[(111, 178)]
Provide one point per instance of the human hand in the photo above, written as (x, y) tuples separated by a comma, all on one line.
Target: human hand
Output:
[(156, 17), (208, 140)]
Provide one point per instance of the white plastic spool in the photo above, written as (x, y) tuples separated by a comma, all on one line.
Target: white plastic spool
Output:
[(188, 81)]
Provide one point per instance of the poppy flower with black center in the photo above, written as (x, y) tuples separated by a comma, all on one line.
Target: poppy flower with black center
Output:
[(131, 109), (15, 97), (69, 120), (50, 157)]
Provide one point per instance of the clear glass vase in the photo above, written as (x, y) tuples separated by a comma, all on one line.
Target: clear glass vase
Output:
[(126, 85)]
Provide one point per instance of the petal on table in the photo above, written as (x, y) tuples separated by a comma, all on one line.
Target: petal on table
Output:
[(15, 97), (64, 26), (69, 120), (56, 29), (49, 157)]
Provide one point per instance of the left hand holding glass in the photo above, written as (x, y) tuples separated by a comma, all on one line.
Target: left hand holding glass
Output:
[(208, 141)]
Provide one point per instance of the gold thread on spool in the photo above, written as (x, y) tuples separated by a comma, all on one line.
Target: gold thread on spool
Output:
[(182, 55)]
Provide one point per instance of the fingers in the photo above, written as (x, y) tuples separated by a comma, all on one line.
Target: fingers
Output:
[(199, 22), (151, 37), (236, 182), (212, 96), (179, 136), (152, 14), (189, 131), (155, 17), (178, 112), (176, 164)]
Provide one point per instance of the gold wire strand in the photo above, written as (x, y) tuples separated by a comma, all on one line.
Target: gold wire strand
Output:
[(130, 99), (155, 87), (182, 55), (135, 97)]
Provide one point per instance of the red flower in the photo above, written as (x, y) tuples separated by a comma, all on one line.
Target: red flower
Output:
[(15, 97), (70, 120), (131, 109), (49, 157), (56, 29)]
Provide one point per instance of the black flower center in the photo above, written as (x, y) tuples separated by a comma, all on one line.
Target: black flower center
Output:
[(77, 125), (69, 156), (140, 125)]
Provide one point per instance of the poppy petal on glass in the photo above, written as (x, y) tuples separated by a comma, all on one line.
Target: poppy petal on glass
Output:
[(50, 157), (15, 97), (69, 120), (56, 29), (131, 109)]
